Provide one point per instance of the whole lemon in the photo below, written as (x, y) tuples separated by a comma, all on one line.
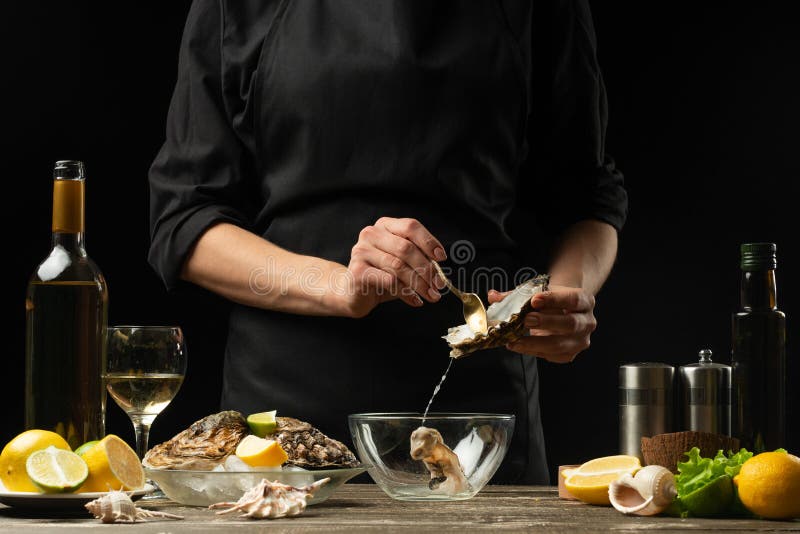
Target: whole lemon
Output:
[(16, 452), (769, 485)]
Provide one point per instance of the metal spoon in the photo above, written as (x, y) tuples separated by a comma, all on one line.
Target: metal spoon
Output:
[(474, 312)]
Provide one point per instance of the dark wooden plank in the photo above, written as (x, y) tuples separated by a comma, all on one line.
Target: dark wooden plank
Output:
[(364, 507)]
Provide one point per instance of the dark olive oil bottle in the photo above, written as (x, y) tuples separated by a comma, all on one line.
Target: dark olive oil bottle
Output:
[(758, 356)]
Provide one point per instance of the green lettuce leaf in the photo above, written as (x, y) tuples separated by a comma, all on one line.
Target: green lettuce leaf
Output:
[(698, 472)]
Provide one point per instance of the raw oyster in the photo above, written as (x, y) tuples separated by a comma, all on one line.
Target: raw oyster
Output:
[(447, 475), (309, 448), (211, 440), (505, 318), (202, 446)]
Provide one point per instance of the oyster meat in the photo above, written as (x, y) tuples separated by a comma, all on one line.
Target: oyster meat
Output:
[(202, 446), (307, 447), (505, 318)]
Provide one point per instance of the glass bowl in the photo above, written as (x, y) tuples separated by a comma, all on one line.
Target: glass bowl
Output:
[(383, 441), (203, 488)]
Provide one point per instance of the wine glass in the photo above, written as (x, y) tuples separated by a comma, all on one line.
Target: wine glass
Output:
[(144, 371)]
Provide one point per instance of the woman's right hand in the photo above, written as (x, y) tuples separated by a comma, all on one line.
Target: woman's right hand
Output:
[(392, 259)]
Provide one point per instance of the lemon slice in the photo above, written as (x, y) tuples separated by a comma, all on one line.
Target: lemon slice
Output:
[(56, 470), (590, 481), (112, 465), (260, 452), (262, 424)]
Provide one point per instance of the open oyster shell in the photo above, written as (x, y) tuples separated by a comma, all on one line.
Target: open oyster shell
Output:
[(505, 320)]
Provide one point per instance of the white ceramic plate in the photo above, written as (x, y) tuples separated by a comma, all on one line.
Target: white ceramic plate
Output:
[(57, 501)]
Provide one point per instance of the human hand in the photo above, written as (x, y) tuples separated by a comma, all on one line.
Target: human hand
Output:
[(392, 259), (560, 325)]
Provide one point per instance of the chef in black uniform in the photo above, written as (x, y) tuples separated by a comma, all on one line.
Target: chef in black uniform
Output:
[(319, 154)]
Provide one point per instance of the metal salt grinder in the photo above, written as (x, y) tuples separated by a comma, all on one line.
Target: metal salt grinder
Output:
[(645, 404), (706, 392)]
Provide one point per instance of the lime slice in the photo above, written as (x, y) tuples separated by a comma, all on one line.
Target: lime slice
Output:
[(86, 446), (711, 500), (56, 470), (262, 424)]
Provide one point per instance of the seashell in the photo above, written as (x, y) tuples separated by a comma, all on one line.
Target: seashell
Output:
[(117, 507), (649, 492), (271, 500), (505, 318)]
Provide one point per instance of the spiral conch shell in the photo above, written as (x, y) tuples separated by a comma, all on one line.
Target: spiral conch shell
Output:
[(117, 507), (270, 500), (649, 492)]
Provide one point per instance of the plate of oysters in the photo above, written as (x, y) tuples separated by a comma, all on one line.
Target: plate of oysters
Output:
[(218, 458)]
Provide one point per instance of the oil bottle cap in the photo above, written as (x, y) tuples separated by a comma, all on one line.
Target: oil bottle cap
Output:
[(758, 256)]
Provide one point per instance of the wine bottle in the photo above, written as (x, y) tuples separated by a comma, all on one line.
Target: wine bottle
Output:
[(758, 357), (67, 309)]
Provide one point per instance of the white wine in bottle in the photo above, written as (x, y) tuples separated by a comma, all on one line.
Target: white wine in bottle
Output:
[(67, 309)]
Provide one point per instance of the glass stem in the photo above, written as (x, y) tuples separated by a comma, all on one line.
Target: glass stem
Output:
[(141, 425)]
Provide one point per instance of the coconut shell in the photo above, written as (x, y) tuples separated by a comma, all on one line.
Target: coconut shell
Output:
[(669, 449)]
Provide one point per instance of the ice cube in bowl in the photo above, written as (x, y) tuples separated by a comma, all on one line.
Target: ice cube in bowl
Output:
[(383, 441)]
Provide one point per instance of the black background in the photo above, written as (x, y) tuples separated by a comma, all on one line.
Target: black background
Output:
[(704, 110)]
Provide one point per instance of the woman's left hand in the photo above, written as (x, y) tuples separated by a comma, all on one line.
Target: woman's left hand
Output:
[(560, 325)]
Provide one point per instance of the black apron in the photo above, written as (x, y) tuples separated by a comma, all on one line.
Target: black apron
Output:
[(363, 109)]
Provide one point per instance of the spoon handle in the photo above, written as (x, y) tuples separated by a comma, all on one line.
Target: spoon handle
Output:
[(446, 281)]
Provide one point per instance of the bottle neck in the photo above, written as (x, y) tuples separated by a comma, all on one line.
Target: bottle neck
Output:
[(758, 290), (73, 242), (68, 214)]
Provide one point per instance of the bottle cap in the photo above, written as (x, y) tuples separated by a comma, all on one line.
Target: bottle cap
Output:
[(758, 256), (68, 169)]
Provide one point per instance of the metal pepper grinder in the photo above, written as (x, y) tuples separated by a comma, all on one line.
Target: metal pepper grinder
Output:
[(645, 403), (706, 392)]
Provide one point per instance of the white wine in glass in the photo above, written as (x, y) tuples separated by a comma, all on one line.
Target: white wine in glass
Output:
[(145, 370)]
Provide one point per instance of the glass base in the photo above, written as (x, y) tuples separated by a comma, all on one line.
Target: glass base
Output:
[(155, 494)]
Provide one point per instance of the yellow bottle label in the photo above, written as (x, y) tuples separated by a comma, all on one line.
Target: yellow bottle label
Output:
[(68, 206)]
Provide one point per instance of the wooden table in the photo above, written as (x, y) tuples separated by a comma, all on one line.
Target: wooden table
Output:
[(364, 507)]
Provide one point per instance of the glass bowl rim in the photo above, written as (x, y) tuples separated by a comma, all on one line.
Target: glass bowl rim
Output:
[(435, 416)]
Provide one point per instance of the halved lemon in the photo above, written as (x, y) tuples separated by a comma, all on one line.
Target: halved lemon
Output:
[(56, 470), (590, 481), (260, 452), (112, 465)]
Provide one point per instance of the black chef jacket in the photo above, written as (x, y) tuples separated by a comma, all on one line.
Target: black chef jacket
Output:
[(305, 121)]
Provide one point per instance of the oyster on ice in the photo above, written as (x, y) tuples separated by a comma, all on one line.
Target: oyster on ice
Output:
[(309, 448), (202, 446), (211, 440), (505, 318)]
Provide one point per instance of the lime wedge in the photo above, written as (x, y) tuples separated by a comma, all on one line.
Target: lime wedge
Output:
[(86, 446), (262, 424), (56, 470)]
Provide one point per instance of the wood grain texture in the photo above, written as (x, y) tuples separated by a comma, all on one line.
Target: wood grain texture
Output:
[(363, 507)]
